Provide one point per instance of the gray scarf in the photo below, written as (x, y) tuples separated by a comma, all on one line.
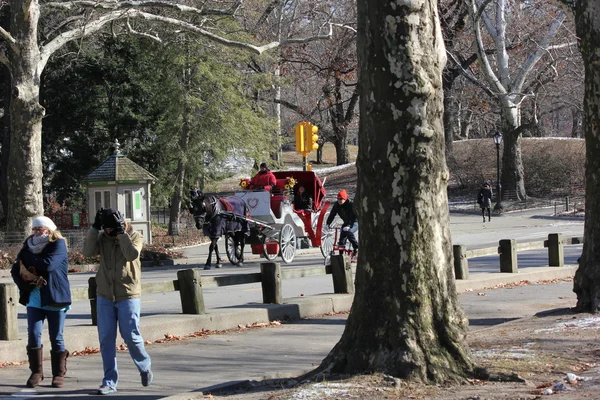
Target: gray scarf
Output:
[(37, 243)]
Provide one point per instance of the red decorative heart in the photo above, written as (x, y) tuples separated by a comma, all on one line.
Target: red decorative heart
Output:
[(253, 203)]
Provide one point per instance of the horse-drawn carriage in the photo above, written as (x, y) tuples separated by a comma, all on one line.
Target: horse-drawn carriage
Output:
[(267, 219)]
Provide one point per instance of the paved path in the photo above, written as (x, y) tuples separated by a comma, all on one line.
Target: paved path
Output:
[(201, 364)]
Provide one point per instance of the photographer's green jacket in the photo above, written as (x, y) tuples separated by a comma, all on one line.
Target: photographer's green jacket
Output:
[(119, 276)]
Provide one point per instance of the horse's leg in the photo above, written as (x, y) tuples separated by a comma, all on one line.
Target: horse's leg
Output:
[(211, 247), (240, 241), (218, 256)]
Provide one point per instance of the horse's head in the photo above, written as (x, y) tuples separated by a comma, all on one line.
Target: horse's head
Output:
[(198, 208)]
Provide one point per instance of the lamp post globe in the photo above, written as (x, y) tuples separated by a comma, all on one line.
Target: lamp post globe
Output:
[(497, 141)]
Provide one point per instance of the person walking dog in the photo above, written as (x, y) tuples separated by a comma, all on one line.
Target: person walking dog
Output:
[(118, 292), (41, 274)]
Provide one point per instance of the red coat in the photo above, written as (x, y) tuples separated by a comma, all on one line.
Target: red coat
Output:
[(263, 179)]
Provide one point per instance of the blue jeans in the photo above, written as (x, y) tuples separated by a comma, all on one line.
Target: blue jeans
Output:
[(127, 314), (349, 235), (56, 325)]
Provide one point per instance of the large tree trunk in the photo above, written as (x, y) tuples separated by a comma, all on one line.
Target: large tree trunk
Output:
[(405, 319), (587, 278), (5, 130), (513, 173), (342, 154), (24, 175)]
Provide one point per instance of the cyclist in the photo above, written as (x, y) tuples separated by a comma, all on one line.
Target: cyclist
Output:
[(345, 210)]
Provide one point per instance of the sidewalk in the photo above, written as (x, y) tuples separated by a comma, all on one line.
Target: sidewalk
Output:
[(204, 362)]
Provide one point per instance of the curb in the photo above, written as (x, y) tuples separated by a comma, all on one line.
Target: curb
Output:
[(157, 327)]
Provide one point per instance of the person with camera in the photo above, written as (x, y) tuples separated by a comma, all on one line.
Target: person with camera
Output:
[(41, 274), (118, 293)]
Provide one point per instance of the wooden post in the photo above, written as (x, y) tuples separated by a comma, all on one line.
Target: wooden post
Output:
[(556, 251), (190, 291), (271, 283), (461, 263), (93, 301), (341, 272), (508, 256), (9, 297)]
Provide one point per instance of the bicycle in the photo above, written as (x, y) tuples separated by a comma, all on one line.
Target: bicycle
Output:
[(336, 249)]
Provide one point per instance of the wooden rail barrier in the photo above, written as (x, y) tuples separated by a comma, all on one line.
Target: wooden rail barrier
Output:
[(507, 253), (190, 283)]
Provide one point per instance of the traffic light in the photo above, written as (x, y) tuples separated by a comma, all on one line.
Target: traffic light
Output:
[(300, 134), (310, 137)]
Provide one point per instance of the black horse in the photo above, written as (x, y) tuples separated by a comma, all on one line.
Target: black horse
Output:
[(218, 216)]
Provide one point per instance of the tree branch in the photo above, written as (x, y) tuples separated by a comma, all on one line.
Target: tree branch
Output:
[(535, 57), (487, 68), (124, 5), (350, 110), (99, 22), (145, 35), (8, 37), (470, 76)]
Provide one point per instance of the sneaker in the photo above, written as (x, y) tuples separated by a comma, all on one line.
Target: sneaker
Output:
[(147, 378), (106, 390), (354, 254)]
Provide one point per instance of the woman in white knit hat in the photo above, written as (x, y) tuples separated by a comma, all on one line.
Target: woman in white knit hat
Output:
[(41, 273)]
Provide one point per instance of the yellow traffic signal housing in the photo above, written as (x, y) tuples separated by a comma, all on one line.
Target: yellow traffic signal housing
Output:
[(310, 137), (300, 135)]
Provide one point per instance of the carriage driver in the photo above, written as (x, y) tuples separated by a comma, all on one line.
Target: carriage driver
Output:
[(344, 208), (264, 179)]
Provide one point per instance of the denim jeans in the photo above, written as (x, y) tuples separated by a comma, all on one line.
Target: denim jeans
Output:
[(125, 313), (56, 325), (349, 235)]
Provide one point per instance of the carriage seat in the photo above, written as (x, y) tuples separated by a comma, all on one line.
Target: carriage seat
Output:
[(279, 186)]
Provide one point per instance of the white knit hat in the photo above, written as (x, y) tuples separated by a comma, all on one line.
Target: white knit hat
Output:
[(43, 222)]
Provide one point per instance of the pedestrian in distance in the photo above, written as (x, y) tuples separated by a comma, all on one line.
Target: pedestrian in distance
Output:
[(302, 201), (264, 179), (484, 199), (118, 293), (345, 210), (41, 274)]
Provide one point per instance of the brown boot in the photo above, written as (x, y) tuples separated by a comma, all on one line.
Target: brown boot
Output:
[(59, 367), (36, 359)]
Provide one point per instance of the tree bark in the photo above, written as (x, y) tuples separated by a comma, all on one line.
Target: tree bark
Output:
[(577, 123), (405, 320), (587, 278), (24, 174)]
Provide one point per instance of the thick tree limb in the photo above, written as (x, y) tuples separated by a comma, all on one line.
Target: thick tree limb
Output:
[(97, 24), (535, 57), (124, 5), (8, 37), (485, 62)]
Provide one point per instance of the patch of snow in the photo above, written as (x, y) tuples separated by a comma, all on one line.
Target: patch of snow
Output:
[(512, 352), (584, 323), (319, 391)]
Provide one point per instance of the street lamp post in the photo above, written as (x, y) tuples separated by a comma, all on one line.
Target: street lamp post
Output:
[(498, 140)]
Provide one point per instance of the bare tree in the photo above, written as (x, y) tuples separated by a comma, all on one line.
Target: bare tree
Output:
[(26, 51), (509, 84), (405, 319)]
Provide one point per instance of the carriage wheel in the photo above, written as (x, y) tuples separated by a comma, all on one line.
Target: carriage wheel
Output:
[(327, 238), (287, 243), (233, 250), (268, 240)]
